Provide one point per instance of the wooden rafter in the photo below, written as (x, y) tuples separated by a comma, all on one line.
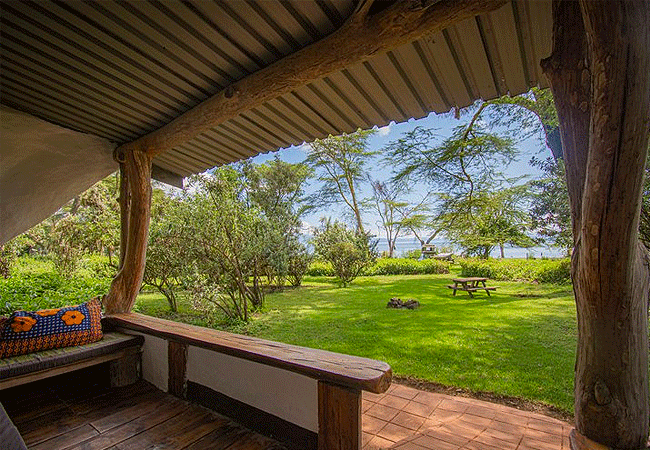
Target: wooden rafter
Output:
[(369, 31), (363, 35)]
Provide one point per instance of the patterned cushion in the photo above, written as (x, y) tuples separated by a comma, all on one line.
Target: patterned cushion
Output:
[(26, 332)]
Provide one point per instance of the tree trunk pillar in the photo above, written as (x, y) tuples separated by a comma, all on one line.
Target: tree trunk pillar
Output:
[(339, 417), (135, 205), (599, 73)]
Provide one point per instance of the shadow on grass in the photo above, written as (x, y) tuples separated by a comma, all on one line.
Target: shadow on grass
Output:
[(515, 345), (518, 346)]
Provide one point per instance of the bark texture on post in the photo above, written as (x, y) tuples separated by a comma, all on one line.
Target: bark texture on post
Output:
[(339, 417), (135, 207), (123, 201), (599, 74), (177, 364)]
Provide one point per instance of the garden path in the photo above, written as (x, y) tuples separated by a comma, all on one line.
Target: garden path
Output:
[(405, 418)]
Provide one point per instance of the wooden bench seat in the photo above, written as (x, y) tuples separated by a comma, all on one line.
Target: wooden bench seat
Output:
[(198, 359), (481, 288), (22, 369)]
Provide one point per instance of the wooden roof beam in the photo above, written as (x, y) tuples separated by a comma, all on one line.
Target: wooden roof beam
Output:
[(364, 35)]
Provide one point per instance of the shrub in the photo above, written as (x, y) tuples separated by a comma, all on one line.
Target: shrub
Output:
[(412, 254), (319, 268), (299, 262), (32, 265), (348, 251), (387, 266), (543, 271), (96, 266), (32, 291), (406, 266)]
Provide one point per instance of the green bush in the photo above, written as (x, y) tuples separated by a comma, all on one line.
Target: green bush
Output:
[(33, 291), (319, 268), (96, 266), (32, 265), (387, 266), (412, 254), (541, 270), (406, 266)]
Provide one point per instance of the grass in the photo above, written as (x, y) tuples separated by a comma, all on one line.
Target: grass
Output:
[(520, 342)]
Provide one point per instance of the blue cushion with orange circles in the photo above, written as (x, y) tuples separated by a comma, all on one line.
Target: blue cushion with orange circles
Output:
[(32, 331)]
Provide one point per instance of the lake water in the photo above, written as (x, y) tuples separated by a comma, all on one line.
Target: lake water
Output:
[(405, 244)]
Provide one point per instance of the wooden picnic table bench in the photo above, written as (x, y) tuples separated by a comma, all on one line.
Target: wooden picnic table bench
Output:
[(471, 284)]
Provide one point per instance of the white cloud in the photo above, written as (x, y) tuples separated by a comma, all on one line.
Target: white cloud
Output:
[(306, 228), (385, 131), (304, 147)]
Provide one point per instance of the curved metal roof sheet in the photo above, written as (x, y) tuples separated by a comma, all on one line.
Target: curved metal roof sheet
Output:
[(119, 70)]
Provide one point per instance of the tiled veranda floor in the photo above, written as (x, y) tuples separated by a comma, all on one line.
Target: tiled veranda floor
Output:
[(409, 419)]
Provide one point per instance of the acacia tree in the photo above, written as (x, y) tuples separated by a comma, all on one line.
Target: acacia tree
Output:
[(386, 202), (549, 208), (340, 164), (460, 168), (492, 219), (525, 114), (396, 215)]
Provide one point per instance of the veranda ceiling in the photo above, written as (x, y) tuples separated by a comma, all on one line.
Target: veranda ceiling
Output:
[(120, 69)]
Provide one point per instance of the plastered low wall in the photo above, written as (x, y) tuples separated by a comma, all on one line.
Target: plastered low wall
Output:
[(287, 395), (155, 362), (284, 394)]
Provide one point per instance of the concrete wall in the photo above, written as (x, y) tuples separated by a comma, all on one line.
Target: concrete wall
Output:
[(284, 394), (42, 166)]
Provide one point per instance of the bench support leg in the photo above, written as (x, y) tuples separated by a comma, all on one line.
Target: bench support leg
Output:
[(126, 370), (339, 417), (177, 381)]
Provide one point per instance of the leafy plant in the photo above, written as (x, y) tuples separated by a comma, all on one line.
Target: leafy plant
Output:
[(33, 291), (348, 251), (406, 266), (540, 270)]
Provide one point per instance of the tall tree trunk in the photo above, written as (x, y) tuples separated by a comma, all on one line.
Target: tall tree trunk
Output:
[(355, 206), (135, 205), (599, 76)]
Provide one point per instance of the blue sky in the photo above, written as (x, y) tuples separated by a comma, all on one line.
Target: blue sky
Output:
[(443, 124)]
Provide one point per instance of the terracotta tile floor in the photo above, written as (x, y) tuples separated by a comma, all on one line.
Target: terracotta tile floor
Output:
[(408, 419)]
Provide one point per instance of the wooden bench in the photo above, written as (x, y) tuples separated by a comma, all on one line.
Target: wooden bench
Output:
[(473, 289), (121, 350), (189, 370)]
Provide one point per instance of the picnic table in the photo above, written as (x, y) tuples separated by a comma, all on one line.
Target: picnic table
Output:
[(470, 285)]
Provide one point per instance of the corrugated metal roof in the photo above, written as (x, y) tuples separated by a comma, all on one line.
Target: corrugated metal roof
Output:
[(119, 69)]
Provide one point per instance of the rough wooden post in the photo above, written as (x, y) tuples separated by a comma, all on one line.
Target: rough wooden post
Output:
[(339, 417), (135, 207), (599, 73), (177, 362), (126, 370)]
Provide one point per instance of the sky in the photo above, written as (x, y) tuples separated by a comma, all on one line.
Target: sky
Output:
[(442, 123)]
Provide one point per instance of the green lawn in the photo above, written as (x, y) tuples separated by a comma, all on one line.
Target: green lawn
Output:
[(519, 342)]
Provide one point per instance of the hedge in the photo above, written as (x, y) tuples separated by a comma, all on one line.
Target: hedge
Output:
[(41, 290), (540, 270), (387, 266)]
